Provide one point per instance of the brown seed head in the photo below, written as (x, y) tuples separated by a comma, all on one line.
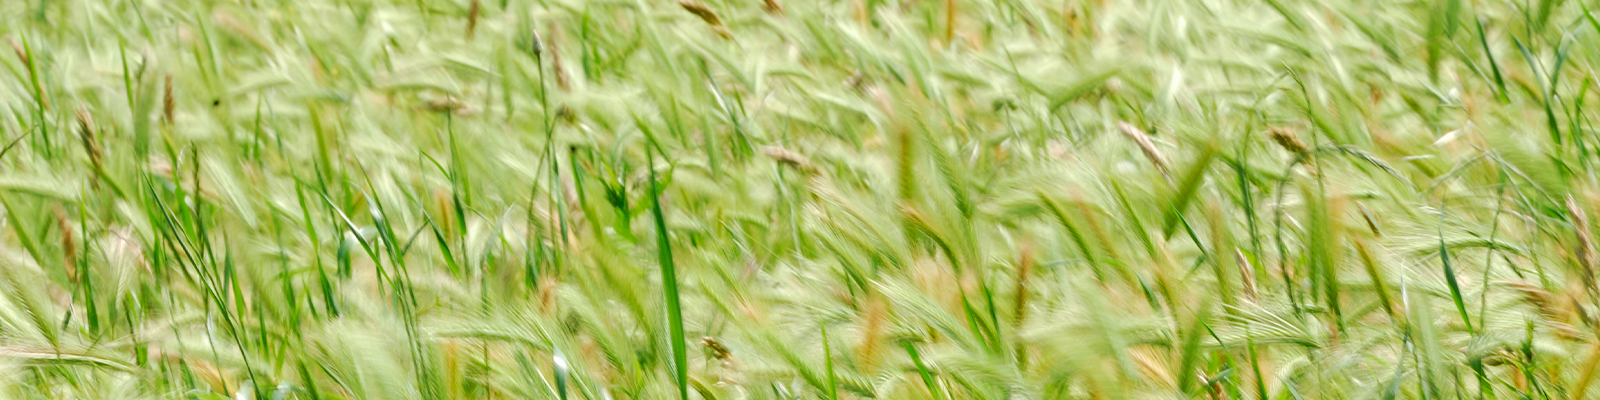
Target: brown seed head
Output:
[(69, 245), (1538, 297), (1247, 274), (472, 17), (1371, 219), (1585, 246), (718, 351), (1286, 138), (1147, 146), (789, 158), (167, 102), (449, 104), (1025, 263), (88, 135), (701, 10), (555, 59), (547, 295), (772, 7), (22, 54)]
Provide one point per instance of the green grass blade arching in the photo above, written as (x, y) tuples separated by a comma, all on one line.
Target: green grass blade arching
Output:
[(669, 287)]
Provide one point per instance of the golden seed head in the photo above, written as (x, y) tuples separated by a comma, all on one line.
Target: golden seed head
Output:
[(22, 54), (718, 350), (1247, 274), (88, 135), (85, 123), (789, 157), (472, 17), (772, 7), (1537, 296), (1286, 138), (448, 104), (167, 102), (701, 10), (555, 59), (1145, 145), (1580, 226), (69, 247)]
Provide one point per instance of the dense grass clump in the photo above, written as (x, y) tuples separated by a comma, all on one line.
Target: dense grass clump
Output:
[(781, 199)]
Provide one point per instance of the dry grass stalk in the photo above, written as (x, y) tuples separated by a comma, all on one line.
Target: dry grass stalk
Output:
[(22, 54), (1538, 297), (701, 10), (238, 27), (950, 11), (556, 69), (718, 351), (708, 15), (168, 103), (69, 244), (1584, 249), (772, 7), (27, 65), (1025, 264), (89, 136), (1287, 139), (472, 17), (789, 157), (1371, 220), (1247, 274), (1147, 146), (449, 104)]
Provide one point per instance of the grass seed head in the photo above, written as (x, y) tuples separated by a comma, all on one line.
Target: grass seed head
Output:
[(1147, 146), (22, 54), (88, 135), (789, 157), (449, 104), (1584, 249), (1286, 138), (556, 70), (772, 7), (69, 244), (168, 103), (472, 17), (701, 10), (706, 14), (1247, 274), (716, 348)]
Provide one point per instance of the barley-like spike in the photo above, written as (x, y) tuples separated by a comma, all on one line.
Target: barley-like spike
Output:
[(1025, 264), (88, 135), (1286, 138), (1538, 297), (1147, 146), (1246, 274), (69, 246), (718, 350), (772, 7), (22, 54), (472, 17), (555, 59), (789, 158), (1371, 220), (167, 102), (701, 10), (1584, 250)]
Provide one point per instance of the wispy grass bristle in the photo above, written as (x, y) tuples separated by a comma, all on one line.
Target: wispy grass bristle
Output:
[(469, 199)]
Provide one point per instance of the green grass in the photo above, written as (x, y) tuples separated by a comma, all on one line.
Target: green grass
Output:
[(840, 199)]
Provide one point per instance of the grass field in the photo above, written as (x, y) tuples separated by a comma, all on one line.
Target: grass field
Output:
[(783, 199)]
